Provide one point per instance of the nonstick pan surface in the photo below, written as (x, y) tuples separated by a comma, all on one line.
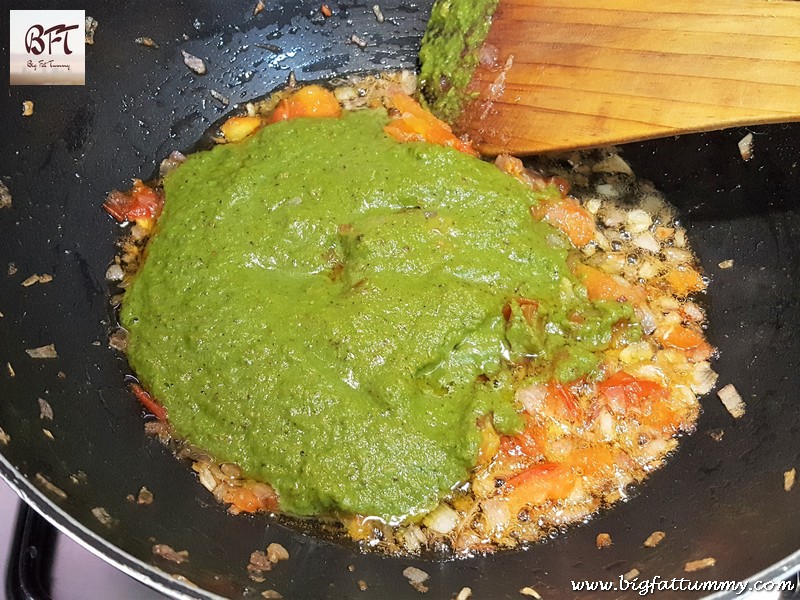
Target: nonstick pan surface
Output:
[(721, 499)]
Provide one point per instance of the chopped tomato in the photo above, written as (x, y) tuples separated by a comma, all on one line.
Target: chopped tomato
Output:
[(527, 307), (687, 339), (151, 404), (415, 124), (679, 336), (563, 402), (569, 216), (624, 392), (684, 280), (530, 443), (243, 499), (602, 286), (308, 101), (540, 483), (236, 129), (663, 417), (595, 461), (141, 202), (552, 400)]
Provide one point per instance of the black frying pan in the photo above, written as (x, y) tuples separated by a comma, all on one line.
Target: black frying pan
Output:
[(715, 498)]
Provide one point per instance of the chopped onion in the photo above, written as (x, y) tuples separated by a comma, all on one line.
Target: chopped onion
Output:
[(613, 164), (732, 400), (704, 378), (48, 351), (632, 574), (788, 479), (677, 255), (654, 539), (464, 594), (417, 578), (442, 519), (638, 221), (496, 512), (114, 273), (697, 565), (646, 241), (746, 147), (413, 538)]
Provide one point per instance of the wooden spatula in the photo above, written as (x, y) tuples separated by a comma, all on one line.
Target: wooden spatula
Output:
[(560, 74)]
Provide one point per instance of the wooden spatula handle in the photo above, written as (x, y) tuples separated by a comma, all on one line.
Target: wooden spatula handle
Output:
[(580, 73)]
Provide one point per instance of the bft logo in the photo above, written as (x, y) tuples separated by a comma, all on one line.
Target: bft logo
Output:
[(34, 38), (47, 47)]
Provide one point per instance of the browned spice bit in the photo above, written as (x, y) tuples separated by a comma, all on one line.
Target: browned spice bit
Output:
[(698, 565), (46, 278), (4, 437), (726, 264), (194, 63), (603, 541), (376, 9), (48, 434), (291, 81), (362, 585), (417, 578), (146, 41), (119, 340), (271, 595), (632, 574), (167, 553), (10, 369), (5, 196), (746, 147), (46, 485), (45, 410), (325, 10), (259, 564), (224, 100), (145, 496), (732, 400), (61, 375), (360, 42), (464, 594), (130, 498), (788, 479), (654, 539), (351, 568), (716, 434), (529, 591), (12, 269), (27, 108), (48, 351), (277, 553), (91, 27), (259, 7)]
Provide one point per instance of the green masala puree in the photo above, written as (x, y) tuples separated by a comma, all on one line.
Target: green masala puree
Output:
[(320, 301)]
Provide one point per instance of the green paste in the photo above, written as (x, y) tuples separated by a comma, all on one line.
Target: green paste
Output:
[(450, 53), (323, 306)]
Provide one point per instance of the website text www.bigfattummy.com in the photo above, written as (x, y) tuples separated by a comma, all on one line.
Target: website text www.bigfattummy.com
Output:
[(657, 584)]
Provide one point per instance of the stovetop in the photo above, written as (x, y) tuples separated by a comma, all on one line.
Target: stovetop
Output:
[(40, 563)]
